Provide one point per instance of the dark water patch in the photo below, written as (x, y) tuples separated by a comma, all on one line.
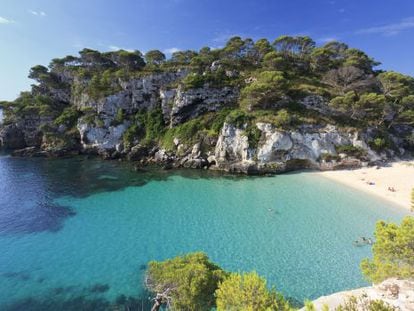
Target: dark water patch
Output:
[(33, 217), (20, 275), (54, 302), (142, 267), (63, 290), (30, 186), (99, 288)]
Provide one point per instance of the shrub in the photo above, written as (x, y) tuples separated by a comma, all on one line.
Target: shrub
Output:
[(119, 117), (152, 121), (253, 135), (378, 144), (393, 252), (283, 118), (68, 117), (218, 121), (248, 292), (351, 150), (191, 279), (102, 85), (131, 135), (186, 133), (238, 118), (193, 81)]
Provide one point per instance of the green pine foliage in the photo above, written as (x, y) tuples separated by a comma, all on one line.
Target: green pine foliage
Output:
[(190, 280), (393, 252), (193, 282), (248, 292)]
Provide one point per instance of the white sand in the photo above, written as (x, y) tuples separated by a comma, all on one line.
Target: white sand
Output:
[(399, 175)]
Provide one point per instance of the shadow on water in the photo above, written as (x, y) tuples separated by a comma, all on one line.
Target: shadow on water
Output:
[(21, 275), (64, 298), (40, 217), (29, 187)]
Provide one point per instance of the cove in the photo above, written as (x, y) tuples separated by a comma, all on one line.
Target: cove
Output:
[(85, 229)]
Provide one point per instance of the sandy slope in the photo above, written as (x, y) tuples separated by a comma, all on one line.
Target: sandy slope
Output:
[(399, 175)]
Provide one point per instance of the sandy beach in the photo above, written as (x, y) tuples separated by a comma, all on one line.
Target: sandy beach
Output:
[(398, 175)]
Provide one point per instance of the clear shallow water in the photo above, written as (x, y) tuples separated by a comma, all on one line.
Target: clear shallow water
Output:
[(84, 229)]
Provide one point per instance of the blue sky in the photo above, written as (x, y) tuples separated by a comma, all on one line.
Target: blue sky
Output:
[(35, 31)]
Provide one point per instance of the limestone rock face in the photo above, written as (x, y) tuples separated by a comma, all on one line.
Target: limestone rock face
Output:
[(317, 103), (232, 145), (274, 143), (394, 292), (280, 150), (194, 102), (167, 103), (135, 94), (101, 138), (24, 133), (147, 93), (11, 137)]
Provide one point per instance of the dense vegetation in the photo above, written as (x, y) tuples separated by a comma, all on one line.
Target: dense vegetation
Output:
[(193, 282), (271, 76), (393, 252), (190, 281)]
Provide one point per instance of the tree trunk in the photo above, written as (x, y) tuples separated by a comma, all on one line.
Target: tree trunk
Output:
[(157, 304)]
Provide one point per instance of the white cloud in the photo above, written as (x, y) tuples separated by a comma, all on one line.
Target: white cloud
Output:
[(223, 37), (326, 39), (4, 20), (114, 48), (390, 29), (37, 13), (117, 48), (171, 50)]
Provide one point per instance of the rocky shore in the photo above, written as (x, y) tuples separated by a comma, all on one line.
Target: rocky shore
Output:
[(396, 293)]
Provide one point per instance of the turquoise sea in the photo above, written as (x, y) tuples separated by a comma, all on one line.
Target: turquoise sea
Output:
[(78, 233)]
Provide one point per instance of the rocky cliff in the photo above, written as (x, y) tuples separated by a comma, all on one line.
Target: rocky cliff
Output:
[(278, 150), (224, 109)]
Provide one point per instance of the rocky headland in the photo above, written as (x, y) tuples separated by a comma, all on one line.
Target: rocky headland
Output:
[(247, 108)]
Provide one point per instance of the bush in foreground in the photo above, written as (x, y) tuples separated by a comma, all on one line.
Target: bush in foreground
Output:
[(393, 252), (190, 281), (193, 282), (248, 292)]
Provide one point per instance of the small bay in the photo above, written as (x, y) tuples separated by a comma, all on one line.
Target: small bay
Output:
[(87, 228)]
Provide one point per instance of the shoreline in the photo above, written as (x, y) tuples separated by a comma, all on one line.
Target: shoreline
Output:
[(397, 175)]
